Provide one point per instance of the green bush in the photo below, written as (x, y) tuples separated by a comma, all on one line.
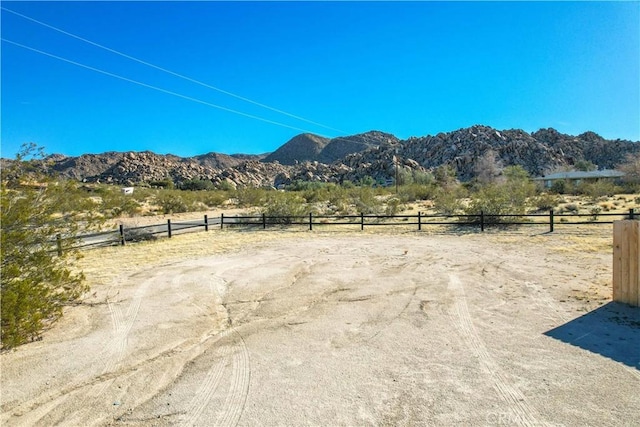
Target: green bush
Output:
[(545, 201), (171, 202), (36, 283), (448, 201), (597, 189), (284, 207), (509, 197), (197, 185)]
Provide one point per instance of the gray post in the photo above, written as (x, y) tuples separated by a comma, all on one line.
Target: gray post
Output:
[(206, 223), (169, 228), (551, 221), (221, 221)]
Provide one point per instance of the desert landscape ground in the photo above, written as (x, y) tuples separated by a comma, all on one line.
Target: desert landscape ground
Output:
[(381, 327)]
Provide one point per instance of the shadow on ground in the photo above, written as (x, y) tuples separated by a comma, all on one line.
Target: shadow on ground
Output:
[(612, 331)]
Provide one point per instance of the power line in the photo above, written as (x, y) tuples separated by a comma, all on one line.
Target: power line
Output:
[(155, 87), (171, 72)]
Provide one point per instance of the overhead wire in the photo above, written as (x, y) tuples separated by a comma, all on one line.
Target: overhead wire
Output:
[(251, 116), (192, 80)]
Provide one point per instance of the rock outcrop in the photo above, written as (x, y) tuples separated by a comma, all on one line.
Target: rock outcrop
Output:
[(372, 154)]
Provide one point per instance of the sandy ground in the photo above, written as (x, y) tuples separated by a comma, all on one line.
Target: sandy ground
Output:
[(327, 328)]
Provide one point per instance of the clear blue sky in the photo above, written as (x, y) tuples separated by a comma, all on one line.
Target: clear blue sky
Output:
[(411, 69)]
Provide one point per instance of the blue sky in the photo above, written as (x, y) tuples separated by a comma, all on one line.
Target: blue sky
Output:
[(407, 68)]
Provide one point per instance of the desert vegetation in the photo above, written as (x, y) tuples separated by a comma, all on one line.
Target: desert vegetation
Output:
[(38, 278)]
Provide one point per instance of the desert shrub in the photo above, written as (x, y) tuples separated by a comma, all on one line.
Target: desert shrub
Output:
[(163, 183), (585, 165), (597, 189), (197, 185), (171, 202), (215, 198), (545, 201), (365, 201), (285, 206), (393, 206), (509, 197), (251, 197), (115, 203), (562, 186), (571, 207), (595, 211), (413, 192), (448, 201), (36, 283)]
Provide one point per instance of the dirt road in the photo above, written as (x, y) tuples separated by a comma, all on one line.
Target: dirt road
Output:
[(337, 329)]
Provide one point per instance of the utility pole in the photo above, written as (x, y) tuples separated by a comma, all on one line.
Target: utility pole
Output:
[(395, 161)]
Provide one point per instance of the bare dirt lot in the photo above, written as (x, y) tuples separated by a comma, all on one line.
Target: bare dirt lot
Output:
[(325, 328)]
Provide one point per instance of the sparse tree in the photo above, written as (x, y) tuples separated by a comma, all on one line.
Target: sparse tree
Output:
[(631, 168), (585, 166), (488, 168), (37, 280)]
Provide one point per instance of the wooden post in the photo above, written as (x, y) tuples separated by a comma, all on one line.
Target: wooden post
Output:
[(169, 228), (551, 221), (59, 244), (631, 213), (626, 262), (221, 221), (481, 220), (122, 237), (206, 223), (361, 221), (310, 221), (419, 221)]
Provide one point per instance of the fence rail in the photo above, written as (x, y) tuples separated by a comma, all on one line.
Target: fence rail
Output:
[(481, 221)]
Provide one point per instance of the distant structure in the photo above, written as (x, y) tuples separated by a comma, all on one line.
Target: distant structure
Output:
[(576, 177), (127, 190)]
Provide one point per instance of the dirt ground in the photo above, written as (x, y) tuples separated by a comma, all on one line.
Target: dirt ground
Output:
[(322, 328)]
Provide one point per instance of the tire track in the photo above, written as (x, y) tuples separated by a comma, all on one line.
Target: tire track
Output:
[(524, 413), (207, 389), (241, 378)]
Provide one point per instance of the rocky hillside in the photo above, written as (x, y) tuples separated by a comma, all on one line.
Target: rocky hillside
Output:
[(298, 149), (312, 158), (338, 148)]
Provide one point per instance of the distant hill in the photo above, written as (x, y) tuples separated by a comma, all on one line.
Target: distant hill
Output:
[(313, 158), (300, 148)]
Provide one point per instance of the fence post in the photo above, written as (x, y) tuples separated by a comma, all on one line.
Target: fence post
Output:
[(310, 221), (481, 220), (122, 238), (206, 223), (551, 221), (169, 228), (419, 221), (221, 221), (631, 213), (264, 221), (361, 221), (59, 244), (626, 262)]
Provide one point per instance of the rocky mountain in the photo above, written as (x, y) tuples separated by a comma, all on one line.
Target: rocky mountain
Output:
[(338, 148), (298, 149), (375, 154)]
